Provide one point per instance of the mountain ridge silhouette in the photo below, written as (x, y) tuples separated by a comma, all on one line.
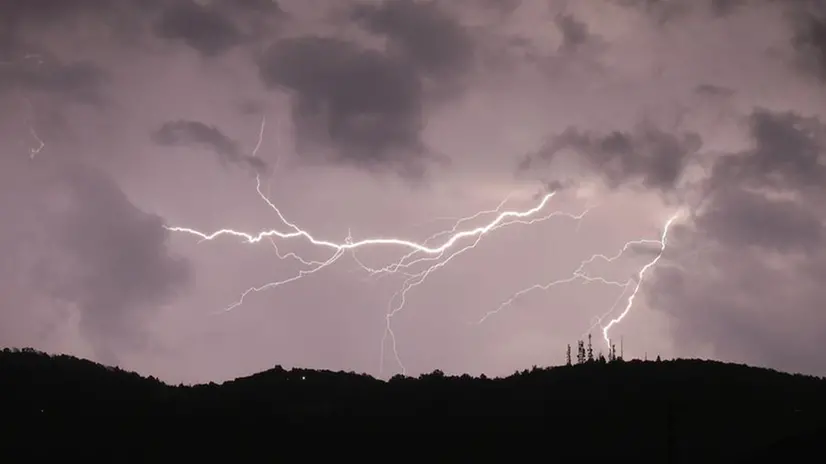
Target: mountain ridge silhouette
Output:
[(667, 411)]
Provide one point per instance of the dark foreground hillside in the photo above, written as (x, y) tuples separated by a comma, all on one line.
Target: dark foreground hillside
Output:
[(670, 411)]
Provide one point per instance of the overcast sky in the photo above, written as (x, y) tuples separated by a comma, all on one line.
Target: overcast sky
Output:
[(391, 120)]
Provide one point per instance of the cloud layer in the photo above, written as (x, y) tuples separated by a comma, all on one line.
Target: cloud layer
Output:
[(121, 118)]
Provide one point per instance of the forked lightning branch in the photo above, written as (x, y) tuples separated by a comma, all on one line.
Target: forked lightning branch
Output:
[(418, 261)]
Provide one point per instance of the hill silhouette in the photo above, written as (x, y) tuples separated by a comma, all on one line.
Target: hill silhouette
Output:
[(668, 411)]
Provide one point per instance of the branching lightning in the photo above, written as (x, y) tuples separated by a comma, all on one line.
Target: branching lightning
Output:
[(421, 259), (630, 286)]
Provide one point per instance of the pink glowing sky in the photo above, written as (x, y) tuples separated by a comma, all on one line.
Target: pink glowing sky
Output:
[(383, 119)]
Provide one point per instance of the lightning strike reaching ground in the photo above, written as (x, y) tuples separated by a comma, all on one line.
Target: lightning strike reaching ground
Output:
[(421, 260), (580, 274), (640, 276), (441, 254)]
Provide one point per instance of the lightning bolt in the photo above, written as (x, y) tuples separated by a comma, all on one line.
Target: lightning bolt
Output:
[(579, 274), (30, 120), (640, 276), (441, 254), (34, 151), (420, 259)]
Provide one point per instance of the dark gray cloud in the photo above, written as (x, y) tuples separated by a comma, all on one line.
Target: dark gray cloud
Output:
[(809, 37), (664, 11), (806, 20), (740, 218), (269, 7), (578, 52), (99, 253), (203, 29), (44, 10), (762, 258), (787, 154), (260, 20), (365, 109), (216, 27), (433, 41), (364, 103), (79, 82), (182, 132), (647, 154), (210, 27), (23, 18), (504, 7), (725, 7), (574, 32), (711, 90)]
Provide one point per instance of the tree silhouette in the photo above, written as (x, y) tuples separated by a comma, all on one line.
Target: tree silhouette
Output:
[(568, 355), (781, 415)]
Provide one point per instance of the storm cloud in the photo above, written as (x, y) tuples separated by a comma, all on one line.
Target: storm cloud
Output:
[(82, 243), (810, 37), (646, 154), (761, 228), (206, 30), (114, 114), (78, 82), (444, 48), (363, 103), (177, 133)]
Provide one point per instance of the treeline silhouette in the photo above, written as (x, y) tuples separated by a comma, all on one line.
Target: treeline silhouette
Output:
[(667, 411)]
